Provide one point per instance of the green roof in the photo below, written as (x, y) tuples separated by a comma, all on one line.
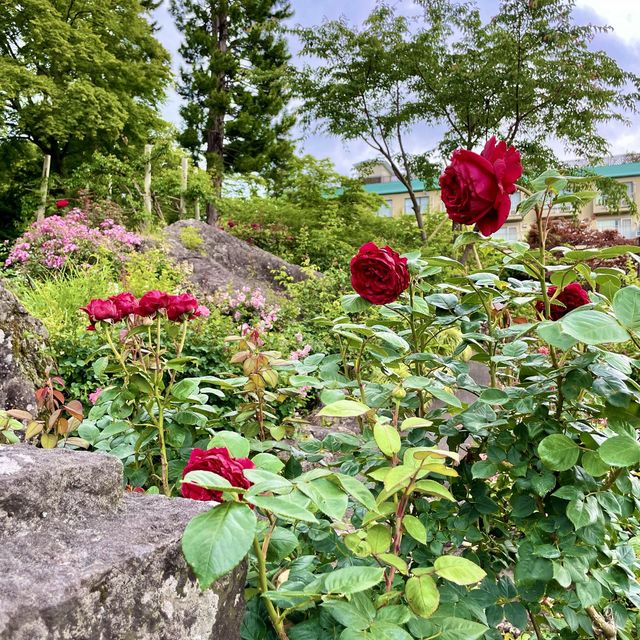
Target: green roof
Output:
[(625, 170)]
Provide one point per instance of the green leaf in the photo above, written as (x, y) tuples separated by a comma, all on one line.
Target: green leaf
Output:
[(357, 490), (626, 306), (415, 423), (583, 513), (620, 451), (422, 595), (233, 442), (327, 496), (552, 333), (185, 388), (589, 592), (594, 465), (387, 438), (558, 452), (379, 538), (268, 462), (394, 561), (210, 480), (351, 579), (458, 569), (282, 507), (415, 528), (348, 615), (593, 327), (353, 303), (344, 409), (433, 488), (217, 541)]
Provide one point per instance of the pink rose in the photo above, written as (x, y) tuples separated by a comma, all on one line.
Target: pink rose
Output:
[(475, 188)]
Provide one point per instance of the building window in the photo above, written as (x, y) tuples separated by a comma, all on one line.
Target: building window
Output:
[(507, 232), (516, 197), (603, 199), (423, 202), (386, 209), (623, 226)]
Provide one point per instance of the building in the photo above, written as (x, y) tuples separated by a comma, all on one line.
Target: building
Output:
[(378, 178)]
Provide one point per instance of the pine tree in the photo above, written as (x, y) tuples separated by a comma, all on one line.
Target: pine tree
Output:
[(235, 85)]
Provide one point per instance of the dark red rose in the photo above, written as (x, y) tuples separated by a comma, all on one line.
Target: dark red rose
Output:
[(475, 188), (61, 204), (181, 307), (100, 310), (126, 304), (571, 297), (379, 274), (151, 302), (217, 461)]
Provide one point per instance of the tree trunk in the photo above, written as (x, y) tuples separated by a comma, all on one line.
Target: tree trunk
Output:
[(215, 128), (416, 210)]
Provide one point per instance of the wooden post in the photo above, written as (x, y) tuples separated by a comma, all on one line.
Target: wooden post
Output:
[(184, 168), (147, 178), (44, 187)]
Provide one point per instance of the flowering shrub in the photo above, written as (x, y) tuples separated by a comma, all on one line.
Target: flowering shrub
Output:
[(457, 506), (147, 409), (56, 241), (250, 309)]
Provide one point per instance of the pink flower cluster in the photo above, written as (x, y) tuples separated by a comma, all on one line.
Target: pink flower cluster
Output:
[(51, 242), (249, 306), (125, 306)]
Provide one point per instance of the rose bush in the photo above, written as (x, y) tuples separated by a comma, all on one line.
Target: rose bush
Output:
[(476, 187)]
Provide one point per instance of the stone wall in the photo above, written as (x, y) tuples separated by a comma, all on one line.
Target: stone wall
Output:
[(22, 359), (82, 561)]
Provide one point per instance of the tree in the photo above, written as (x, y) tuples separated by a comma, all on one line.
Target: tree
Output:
[(78, 76), (362, 88), (527, 76), (235, 85)]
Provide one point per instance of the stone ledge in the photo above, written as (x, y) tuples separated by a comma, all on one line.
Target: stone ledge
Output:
[(100, 566), (37, 486)]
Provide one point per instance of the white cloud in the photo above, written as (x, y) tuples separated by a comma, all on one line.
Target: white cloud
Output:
[(622, 15)]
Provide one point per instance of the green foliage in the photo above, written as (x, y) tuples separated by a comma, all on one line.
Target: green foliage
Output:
[(77, 80), (235, 84), (191, 239), (527, 75)]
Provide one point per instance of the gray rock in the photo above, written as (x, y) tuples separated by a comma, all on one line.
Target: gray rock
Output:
[(22, 353), (223, 261), (108, 568)]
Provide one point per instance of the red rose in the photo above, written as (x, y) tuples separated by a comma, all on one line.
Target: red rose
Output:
[(100, 310), (181, 307), (217, 461), (475, 188), (151, 302), (61, 204), (571, 297), (379, 274), (126, 304)]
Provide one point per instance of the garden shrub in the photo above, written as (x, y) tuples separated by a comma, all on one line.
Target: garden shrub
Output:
[(60, 241)]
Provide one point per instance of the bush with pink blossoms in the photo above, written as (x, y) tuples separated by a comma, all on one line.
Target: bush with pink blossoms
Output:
[(59, 241)]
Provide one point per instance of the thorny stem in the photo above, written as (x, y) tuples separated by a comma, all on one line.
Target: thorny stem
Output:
[(608, 629), (416, 346), (535, 625), (274, 616)]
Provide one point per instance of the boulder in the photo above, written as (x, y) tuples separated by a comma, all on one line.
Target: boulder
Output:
[(82, 561), (219, 261), (22, 353)]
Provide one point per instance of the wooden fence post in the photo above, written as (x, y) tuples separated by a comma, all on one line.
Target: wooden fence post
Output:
[(147, 178), (44, 187), (184, 172)]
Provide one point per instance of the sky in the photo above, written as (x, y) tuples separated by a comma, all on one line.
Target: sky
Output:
[(623, 44)]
